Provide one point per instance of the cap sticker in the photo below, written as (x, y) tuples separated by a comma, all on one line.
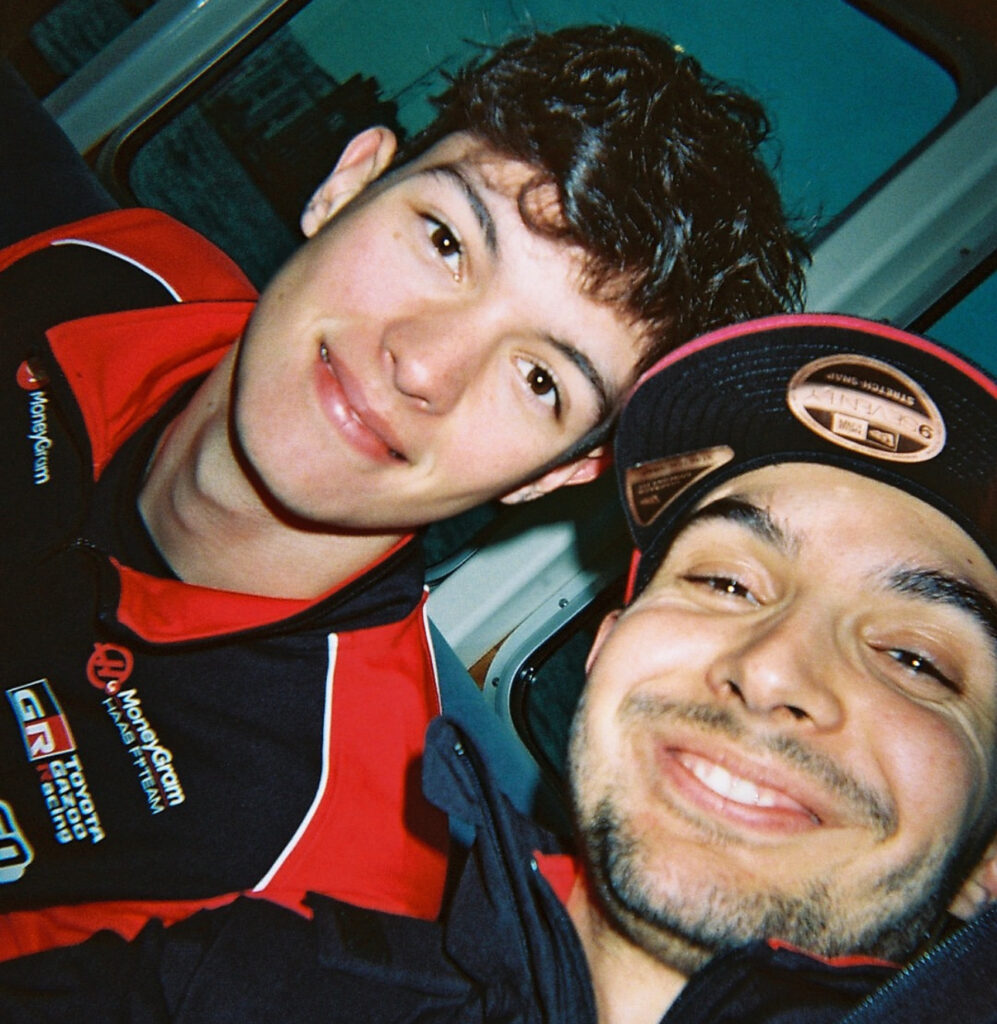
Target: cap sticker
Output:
[(867, 406), (652, 486)]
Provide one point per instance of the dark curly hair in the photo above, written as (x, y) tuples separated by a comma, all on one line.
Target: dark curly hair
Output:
[(656, 167)]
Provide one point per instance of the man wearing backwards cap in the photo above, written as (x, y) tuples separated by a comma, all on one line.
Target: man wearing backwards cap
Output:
[(782, 765), (789, 733)]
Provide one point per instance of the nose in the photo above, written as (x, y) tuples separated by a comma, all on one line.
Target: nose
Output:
[(434, 357), (786, 666)]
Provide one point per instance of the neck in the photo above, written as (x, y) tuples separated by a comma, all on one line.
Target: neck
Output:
[(631, 986), (215, 529)]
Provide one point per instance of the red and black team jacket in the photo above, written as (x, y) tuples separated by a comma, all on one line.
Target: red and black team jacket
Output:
[(164, 747)]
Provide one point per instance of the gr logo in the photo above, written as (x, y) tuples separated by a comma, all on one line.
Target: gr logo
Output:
[(15, 851), (44, 728)]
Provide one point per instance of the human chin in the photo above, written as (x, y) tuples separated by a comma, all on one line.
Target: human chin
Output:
[(669, 909), (275, 468)]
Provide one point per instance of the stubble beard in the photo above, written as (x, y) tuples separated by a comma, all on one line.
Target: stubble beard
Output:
[(687, 925)]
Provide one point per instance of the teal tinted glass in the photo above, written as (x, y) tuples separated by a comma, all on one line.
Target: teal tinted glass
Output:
[(847, 97), (72, 32), (969, 326)]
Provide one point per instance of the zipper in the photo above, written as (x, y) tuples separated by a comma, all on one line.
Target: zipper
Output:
[(978, 935)]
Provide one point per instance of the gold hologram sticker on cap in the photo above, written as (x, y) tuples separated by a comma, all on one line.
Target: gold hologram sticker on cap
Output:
[(867, 406), (652, 486)]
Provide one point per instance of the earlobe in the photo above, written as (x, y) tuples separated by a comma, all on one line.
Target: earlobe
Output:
[(582, 470), (591, 466), (363, 161)]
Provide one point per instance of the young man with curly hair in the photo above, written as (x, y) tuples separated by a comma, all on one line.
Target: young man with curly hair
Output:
[(217, 666)]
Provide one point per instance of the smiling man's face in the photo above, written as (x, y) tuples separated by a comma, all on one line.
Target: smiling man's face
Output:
[(425, 351), (789, 732)]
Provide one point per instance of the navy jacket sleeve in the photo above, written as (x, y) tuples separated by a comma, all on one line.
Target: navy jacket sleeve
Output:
[(251, 962), (44, 181)]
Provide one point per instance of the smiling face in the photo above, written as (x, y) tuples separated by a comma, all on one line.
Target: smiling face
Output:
[(791, 729), (425, 351)]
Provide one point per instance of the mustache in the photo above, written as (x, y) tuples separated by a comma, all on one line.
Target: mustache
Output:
[(874, 807)]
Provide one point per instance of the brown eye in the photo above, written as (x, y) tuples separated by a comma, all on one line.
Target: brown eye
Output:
[(446, 243), (920, 666), (541, 382), (725, 585)]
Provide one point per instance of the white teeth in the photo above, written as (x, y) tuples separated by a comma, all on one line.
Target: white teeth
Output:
[(323, 352), (728, 786)]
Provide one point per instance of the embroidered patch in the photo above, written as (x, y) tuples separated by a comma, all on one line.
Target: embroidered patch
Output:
[(51, 749), (867, 406), (108, 669), (652, 486), (15, 850), (44, 728)]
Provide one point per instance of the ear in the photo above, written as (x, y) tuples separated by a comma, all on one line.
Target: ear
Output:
[(605, 628), (582, 470), (362, 161), (979, 889)]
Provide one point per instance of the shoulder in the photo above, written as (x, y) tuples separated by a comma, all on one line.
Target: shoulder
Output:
[(185, 262)]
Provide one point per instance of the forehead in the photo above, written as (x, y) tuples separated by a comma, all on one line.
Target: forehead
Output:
[(525, 193), (869, 524), (493, 170)]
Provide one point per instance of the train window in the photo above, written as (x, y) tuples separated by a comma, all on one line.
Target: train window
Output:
[(546, 687), (965, 319), (62, 36), (254, 137)]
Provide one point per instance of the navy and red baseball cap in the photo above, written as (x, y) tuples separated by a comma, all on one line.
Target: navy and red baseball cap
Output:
[(820, 388)]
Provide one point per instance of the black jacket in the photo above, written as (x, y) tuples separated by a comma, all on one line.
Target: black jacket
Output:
[(505, 950)]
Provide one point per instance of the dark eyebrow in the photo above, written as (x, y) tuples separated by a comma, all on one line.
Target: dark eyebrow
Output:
[(931, 584), (942, 588), (743, 513), (589, 371), (453, 173)]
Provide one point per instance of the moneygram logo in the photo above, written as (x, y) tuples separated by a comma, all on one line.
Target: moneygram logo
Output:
[(108, 668)]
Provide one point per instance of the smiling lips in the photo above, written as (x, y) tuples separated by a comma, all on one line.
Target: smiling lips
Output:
[(732, 787), (732, 796), (345, 406)]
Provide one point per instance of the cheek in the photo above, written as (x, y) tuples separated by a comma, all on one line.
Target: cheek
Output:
[(487, 445), (353, 266), (661, 647), (639, 656), (933, 766)]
